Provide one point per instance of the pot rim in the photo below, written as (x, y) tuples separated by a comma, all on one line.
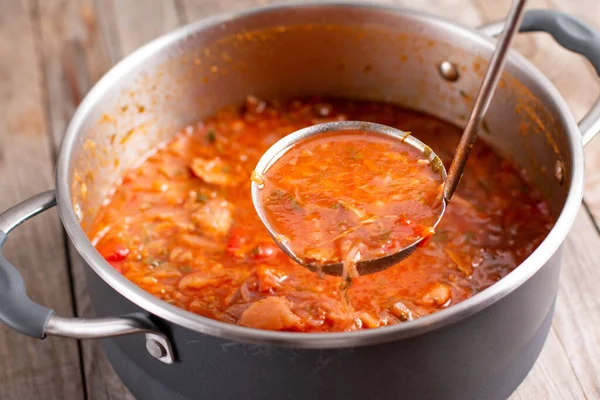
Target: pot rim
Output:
[(189, 320)]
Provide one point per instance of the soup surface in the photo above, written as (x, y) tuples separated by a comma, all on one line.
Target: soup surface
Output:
[(358, 194), (182, 226)]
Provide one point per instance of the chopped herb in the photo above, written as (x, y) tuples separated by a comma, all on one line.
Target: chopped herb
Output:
[(276, 194), (255, 251), (484, 185), (152, 262), (469, 235), (295, 205), (226, 169), (279, 196), (485, 126), (211, 136), (202, 197), (186, 269), (427, 151), (463, 94), (339, 205), (436, 165), (441, 236), (148, 232), (355, 154), (385, 236)]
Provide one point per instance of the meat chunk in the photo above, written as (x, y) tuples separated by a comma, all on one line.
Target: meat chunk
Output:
[(201, 279), (402, 312), (198, 280), (198, 242), (367, 320), (181, 255), (438, 294), (269, 278), (214, 216), (271, 313), (214, 171)]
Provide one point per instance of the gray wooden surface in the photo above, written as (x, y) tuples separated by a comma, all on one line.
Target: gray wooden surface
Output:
[(52, 51)]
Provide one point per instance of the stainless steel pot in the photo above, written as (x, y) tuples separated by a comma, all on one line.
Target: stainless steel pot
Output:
[(480, 348)]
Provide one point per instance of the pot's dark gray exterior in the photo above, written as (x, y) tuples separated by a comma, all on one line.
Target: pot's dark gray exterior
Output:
[(485, 356)]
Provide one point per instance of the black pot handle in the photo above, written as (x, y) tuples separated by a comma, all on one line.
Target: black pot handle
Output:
[(17, 310), (23, 315), (572, 34), (568, 31)]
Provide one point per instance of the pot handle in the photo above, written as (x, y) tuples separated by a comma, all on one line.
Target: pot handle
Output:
[(25, 316), (572, 34)]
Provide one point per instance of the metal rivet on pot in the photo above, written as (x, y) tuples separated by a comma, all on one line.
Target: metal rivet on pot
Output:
[(448, 71), (559, 172), (155, 349)]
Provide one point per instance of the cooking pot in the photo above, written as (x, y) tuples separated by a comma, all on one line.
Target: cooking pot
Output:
[(481, 348)]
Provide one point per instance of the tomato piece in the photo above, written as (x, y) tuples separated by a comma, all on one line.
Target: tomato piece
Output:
[(427, 233), (236, 241), (118, 254), (263, 251)]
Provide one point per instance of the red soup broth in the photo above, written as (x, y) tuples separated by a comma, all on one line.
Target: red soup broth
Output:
[(182, 225), (351, 190)]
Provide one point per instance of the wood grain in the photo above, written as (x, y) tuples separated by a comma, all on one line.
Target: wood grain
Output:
[(81, 39), (69, 44), (74, 57), (132, 24), (139, 22), (577, 318), (195, 9), (31, 368)]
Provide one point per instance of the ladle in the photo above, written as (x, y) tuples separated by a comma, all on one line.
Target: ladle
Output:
[(482, 101)]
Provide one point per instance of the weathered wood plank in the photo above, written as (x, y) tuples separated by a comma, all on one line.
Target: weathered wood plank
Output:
[(551, 376), (75, 55), (577, 321), (30, 368), (195, 9), (139, 22), (81, 40)]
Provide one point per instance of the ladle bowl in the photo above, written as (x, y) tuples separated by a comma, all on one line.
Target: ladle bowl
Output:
[(277, 150)]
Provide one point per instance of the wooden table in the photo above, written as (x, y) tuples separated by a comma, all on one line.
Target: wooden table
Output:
[(52, 51)]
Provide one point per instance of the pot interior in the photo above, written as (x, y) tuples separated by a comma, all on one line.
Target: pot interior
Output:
[(361, 52)]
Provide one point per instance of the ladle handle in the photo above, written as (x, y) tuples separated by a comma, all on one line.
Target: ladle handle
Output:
[(483, 98)]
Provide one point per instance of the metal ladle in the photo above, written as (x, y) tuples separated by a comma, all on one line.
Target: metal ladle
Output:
[(482, 101)]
